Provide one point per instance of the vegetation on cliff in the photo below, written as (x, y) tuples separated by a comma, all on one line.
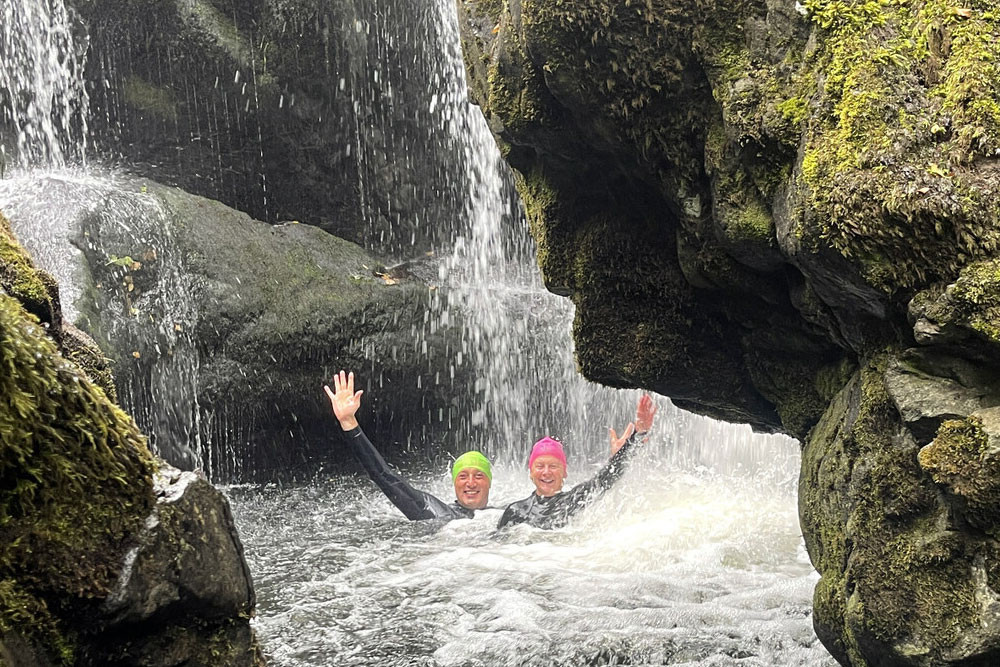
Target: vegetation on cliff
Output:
[(905, 122), (812, 188), (75, 478), (897, 565)]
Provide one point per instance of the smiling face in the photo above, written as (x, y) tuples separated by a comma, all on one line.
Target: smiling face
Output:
[(548, 473), (472, 488)]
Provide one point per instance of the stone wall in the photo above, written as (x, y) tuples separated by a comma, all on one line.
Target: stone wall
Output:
[(786, 214)]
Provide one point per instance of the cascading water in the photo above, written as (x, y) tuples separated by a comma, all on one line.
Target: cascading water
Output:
[(695, 557), (43, 126), (43, 101)]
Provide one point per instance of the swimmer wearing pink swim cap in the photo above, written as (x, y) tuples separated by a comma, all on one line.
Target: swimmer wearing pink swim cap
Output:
[(549, 506)]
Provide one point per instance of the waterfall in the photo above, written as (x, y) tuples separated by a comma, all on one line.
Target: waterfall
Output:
[(414, 127), (45, 106), (43, 99), (695, 556), (518, 335)]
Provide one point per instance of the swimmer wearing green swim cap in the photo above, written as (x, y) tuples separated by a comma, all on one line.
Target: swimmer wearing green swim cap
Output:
[(471, 473)]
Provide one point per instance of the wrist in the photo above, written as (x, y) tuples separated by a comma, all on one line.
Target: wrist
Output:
[(349, 423)]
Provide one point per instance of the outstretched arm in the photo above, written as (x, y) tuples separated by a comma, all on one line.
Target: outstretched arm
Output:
[(622, 449), (345, 402)]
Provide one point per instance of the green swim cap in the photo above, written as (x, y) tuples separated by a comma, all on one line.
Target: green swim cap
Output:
[(471, 460)]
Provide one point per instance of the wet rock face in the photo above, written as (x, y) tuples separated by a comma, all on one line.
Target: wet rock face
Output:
[(740, 146), (81, 520), (652, 210), (786, 214), (187, 558), (223, 330), (283, 110), (902, 526), (187, 563)]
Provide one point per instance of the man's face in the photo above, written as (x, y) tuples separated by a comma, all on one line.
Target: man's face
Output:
[(472, 488), (548, 473)]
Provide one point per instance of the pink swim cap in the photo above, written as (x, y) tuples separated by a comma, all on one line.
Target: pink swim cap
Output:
[(547, 447)]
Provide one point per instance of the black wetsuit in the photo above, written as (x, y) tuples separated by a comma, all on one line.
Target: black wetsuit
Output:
[(556, 511), (417, 505)]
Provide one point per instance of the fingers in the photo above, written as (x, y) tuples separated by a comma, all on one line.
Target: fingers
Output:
[(645, 412), (357, 395), (343, 381), (629, 430)]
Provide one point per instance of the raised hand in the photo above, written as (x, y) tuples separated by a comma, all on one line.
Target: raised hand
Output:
[(645, 411), (616, 442), (344, 399)]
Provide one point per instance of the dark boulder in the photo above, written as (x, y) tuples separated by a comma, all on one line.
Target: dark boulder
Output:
[(223, 329)]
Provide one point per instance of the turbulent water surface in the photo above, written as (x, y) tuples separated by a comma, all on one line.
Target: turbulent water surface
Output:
[(681, 564)]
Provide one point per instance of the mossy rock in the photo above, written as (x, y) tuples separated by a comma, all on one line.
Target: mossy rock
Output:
[(961, 460), (36, 290), (906, 120), (75, 486), (900, 572)]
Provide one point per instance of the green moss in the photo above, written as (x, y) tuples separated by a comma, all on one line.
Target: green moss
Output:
[(911, 588), (584, 54), (791, 382), (516, 92), (976, 298), (189, 642), (29, 617), (542, 209), (960, 460), (83, 352), (19, 277), (75, 474), (827, 459), (908, 107), (752, 222), (795, 110)]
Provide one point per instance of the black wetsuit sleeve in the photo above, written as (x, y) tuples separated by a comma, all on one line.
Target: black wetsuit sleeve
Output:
[(416, 505), (584, 493)]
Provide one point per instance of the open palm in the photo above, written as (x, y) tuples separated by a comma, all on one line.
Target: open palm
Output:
[(344, 400)]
